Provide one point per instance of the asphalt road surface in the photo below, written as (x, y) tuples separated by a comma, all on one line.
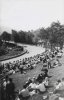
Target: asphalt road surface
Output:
[(33, 50)]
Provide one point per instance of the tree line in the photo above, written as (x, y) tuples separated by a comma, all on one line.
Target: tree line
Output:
[(54, 34), (18, 37)]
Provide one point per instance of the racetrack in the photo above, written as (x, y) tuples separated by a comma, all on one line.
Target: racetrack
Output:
[(33, 50)]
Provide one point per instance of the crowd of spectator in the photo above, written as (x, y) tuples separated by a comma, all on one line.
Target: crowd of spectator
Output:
[(36, 84), (31, 62)]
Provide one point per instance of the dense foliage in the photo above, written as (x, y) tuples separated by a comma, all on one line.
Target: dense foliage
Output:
[(3, 49), (5, 36), (22, 37), (54, 34)]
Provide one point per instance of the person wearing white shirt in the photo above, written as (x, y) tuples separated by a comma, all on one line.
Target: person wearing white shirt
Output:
[(33, 85), (58, 85), (41, 87), (4, 83), (46, 82)]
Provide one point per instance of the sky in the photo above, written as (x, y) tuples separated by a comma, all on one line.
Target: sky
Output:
[(30, 14)]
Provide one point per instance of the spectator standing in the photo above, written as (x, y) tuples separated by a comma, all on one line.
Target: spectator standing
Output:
[(10, 90)]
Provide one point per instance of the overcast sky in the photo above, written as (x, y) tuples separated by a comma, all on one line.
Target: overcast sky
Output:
[(30, 14)]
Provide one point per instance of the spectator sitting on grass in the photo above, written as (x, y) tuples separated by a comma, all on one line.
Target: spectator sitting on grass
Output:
[(24, 94), (27, 83), (41, 87), (40, 77), (46, 82), (62, 84), (33, 84), (57, 86), (45, 73)]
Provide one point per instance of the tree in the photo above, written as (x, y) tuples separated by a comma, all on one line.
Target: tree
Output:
[(30, 38), (15, 36), (43, 34), (0, 42), (26, 37), (6, 36), (3, 49), (58, 32), (54, 34), (22, 36)]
